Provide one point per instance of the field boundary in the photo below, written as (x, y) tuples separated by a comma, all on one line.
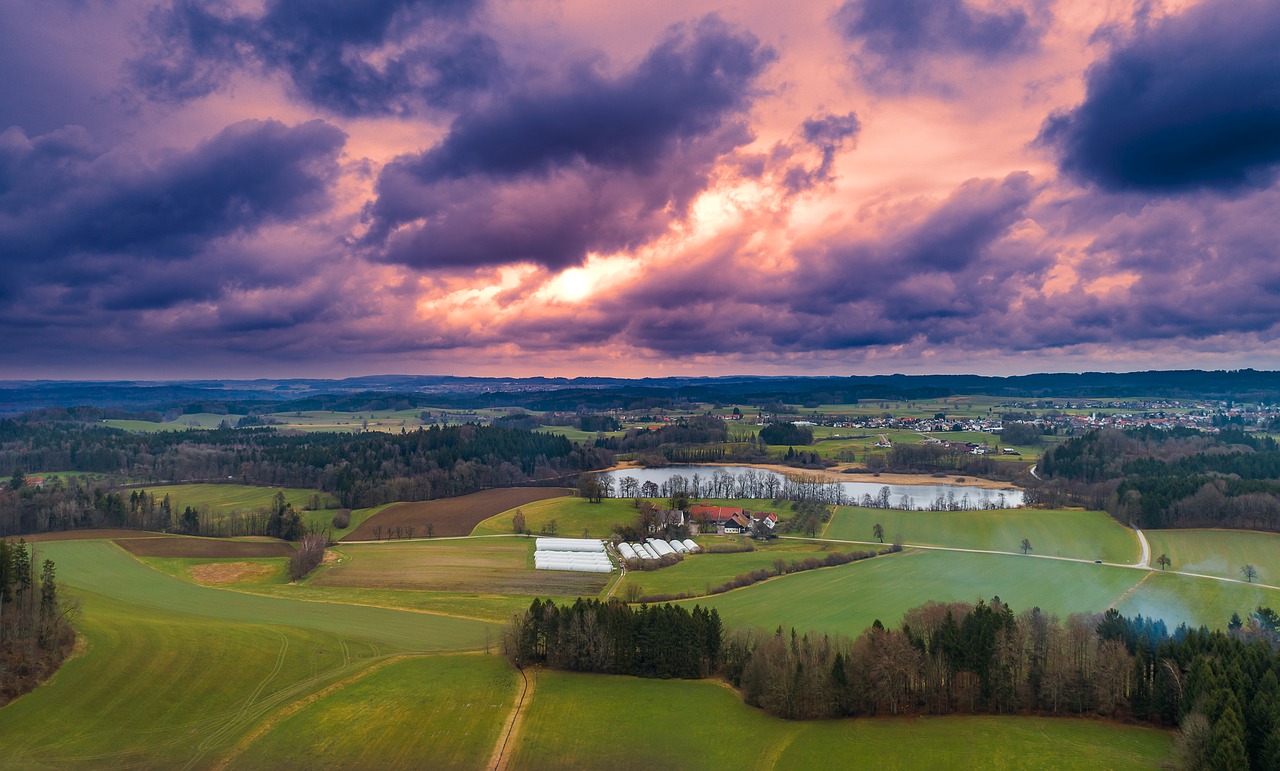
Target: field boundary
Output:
[(500, 760)]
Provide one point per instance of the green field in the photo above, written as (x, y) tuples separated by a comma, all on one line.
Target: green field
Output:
[(1196, 601), (698, 573), (847, 599), (224, 498), (1082, 534), (438, 711), (173, 672), (593, 721), (1218, 552), (481, 565), (104, 567), (573, 517)]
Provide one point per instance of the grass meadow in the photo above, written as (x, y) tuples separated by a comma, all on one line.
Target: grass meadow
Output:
[(481, 565), (1061, 533), (698, 573), (847, 599), (1218, 552), (445, 712), (573, 517), (227, 498), (591, 721)]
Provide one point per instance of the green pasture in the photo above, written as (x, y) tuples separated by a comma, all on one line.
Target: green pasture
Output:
[(1195, 601), (160, 688), (573, 516), (847, 599), (577, 434), (1060, 533), (482, 606), (478, 565), (175, 674), (180, 567), (592, 721), (321, 520), (104, 567), (698, 573), (225, 498), (1218, 552), (201, 420), (438, 711)]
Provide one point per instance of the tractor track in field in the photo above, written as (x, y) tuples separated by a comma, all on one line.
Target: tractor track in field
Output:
[(501, 760)]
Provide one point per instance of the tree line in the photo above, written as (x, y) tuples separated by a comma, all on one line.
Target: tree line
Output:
[(667, 641), (359, 470), (1222, 688), (1179, 478), (35, 633)]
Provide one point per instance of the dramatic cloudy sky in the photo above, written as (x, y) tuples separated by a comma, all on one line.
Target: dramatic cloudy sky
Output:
[(570, 187)]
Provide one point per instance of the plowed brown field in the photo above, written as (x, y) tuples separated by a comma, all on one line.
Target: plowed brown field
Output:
[(451, 516)]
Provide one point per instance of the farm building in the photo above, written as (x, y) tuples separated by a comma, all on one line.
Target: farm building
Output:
[(582, 555)]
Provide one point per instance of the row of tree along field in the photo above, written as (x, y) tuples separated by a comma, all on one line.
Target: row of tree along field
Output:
[(35, 634), (1178, 478), (1221, 688)]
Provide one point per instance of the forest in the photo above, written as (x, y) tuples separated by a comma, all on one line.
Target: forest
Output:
[(359, 470), (1152, 478), (1221, 688)]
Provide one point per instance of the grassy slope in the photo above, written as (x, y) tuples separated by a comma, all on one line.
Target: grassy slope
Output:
[(1082, 534), (572, 516), (588, 721), (221, 498), (442, 711), (1219, 552), (1196, 601), (175, 672), (483, 565), (849, 598), (102, 566)]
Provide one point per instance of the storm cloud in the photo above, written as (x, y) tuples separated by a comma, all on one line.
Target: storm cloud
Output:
[(381, 57), (1189, 102), (590, 163), (897, 39)]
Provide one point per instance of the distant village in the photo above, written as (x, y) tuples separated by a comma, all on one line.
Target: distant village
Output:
[(1064, 417)]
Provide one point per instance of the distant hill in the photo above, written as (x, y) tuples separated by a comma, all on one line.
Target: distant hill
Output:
[(541, 393)]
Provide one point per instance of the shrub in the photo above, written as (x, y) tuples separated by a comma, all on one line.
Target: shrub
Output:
[(342, 520), (308, 556)]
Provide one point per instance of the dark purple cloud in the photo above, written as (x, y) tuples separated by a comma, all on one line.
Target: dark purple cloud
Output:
[(828, 134), (72, 215), (895, 38), (379, 57), (1190, 102), (588, 163)]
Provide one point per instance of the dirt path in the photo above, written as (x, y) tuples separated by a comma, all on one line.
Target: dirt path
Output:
[(1145, 560), (501, 759)]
